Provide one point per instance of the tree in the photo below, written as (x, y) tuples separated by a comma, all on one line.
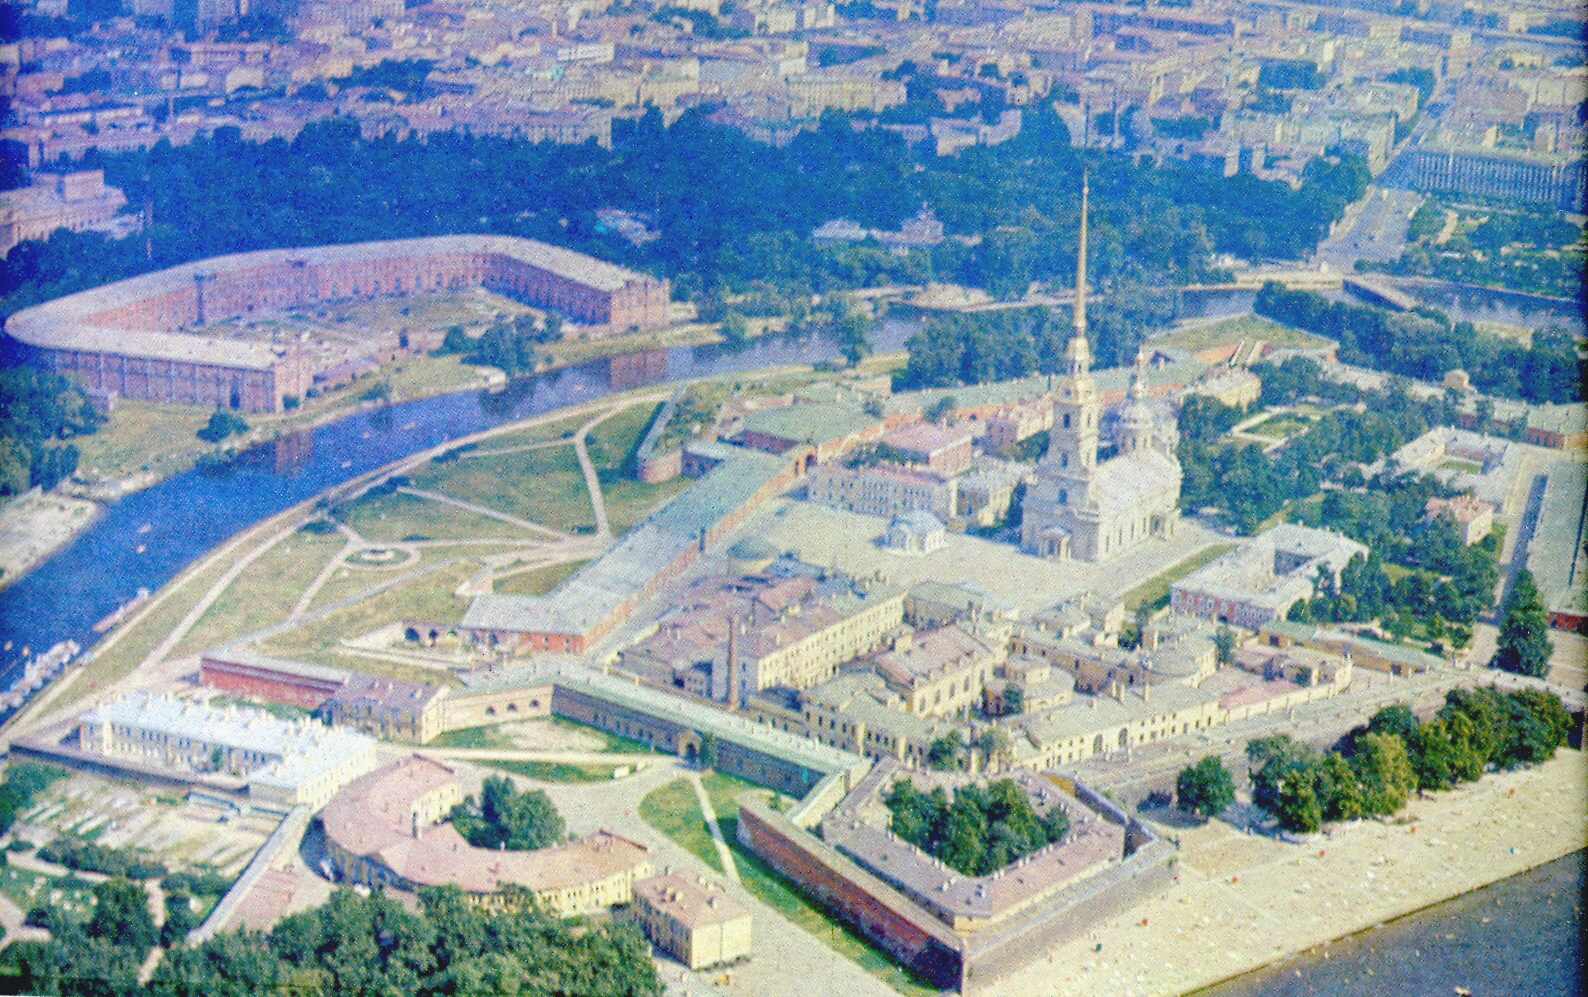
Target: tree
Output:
[(947, 753), (1396, 721), (1272, 762), (506, 818), (1384, 770), (708, 753), (1205, 788), (121, 915), (1524, 646), (1224, 644), (1338, 791), (221, 425), (1014, 699)]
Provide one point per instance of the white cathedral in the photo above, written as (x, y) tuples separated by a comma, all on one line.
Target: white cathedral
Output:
[(1078, 507)]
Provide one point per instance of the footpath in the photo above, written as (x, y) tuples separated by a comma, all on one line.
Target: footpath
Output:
[(1243, 901)]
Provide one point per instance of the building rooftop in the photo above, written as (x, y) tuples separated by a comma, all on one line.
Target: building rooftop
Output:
[(690, 902), (818, 422), (81, 321)]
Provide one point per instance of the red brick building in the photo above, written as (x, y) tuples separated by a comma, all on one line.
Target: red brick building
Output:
[(126, 338)]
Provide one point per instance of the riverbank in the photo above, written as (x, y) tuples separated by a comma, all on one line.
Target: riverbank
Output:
[(1243, 901)]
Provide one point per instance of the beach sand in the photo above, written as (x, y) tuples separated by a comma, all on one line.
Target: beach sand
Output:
[(1243, 901)]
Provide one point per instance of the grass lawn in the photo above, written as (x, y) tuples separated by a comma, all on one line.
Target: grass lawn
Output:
[(783, 897), (724, 791), (395, 517), (489, 736), (542, 486), (556, 771), (559, 429), (538, 581), (1279, 427), (629, 501), (144, 436), (428, 597), (612, 443), (1236, 328), (265, 592), (1464, 466), (674, 811), (1154, 593), (349, 581)]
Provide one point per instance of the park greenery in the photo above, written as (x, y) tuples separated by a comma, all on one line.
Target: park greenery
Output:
[(352, 945), (508, 818), (979, 830), (221, 425), (1376, 768), (1205, 788), (1424, 344), (1510, 245), (38, 413), (735, 215), (1523, 646), (24, 781)]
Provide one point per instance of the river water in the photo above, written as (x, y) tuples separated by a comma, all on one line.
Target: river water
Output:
[(1522, 936), (148, 537)]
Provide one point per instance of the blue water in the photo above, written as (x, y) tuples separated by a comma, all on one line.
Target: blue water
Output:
[(1522, 936), (191, 513)]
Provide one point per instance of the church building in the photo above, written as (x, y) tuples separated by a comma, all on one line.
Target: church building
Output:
[(1078, 507)]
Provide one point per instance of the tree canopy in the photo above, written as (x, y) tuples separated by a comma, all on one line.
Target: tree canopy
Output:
[(1523, 645), (979, 830), (508, 818), (1205, 788)]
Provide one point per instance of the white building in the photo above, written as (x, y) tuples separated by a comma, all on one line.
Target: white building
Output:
[(1078, 507), (1259, 581), (284, 761)]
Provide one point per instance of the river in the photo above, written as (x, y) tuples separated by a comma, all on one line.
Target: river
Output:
[(147, 538), (1521, 936)]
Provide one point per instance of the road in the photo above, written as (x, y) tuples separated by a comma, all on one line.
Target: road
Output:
[(1373, 229)]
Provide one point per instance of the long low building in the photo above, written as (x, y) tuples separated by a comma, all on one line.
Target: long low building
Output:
[(388, 828), (126, 338)]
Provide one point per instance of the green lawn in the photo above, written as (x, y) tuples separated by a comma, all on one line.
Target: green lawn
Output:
[(1279, 427), (1154, 593), (556, 771), (489, 736), (674, 811), (397, 517), (538, 581), (265, 592), (1236, 328), (555, 430), (611, 444), (542, 486)]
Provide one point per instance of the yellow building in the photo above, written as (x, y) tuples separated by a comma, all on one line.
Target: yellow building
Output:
[(694, 922)]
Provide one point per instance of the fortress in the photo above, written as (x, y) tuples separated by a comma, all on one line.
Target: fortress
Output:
[(128, 338)]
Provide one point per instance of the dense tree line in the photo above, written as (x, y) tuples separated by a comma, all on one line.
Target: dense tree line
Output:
[(37, 413), (732, 212), (1376, 768), (88, 856), (1251, 485), (352, 946), (1425, 344), (979, 829), (1523, 645), (978, 347), (508, 818)]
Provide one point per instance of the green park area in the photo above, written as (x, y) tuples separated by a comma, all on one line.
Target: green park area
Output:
[(1281, 426), (536, 581), (1228, 332)]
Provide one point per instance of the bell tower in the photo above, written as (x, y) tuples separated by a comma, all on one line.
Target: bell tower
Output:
[(1072, 442)]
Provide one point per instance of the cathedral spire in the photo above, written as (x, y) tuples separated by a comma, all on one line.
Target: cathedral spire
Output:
[(1138, 376), (1079, 352)]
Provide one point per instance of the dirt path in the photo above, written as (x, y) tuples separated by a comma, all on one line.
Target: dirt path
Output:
[(710, 813)]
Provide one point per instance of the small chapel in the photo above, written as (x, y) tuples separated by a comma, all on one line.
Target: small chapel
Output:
[(1088, 510)]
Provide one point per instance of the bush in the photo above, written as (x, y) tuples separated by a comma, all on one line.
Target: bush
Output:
[(85, 856)]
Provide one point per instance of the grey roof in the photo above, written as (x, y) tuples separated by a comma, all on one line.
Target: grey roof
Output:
[(1555, 555), (600, 587), (817, 422)]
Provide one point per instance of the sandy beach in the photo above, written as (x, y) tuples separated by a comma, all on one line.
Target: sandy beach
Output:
[(1242, 901)]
